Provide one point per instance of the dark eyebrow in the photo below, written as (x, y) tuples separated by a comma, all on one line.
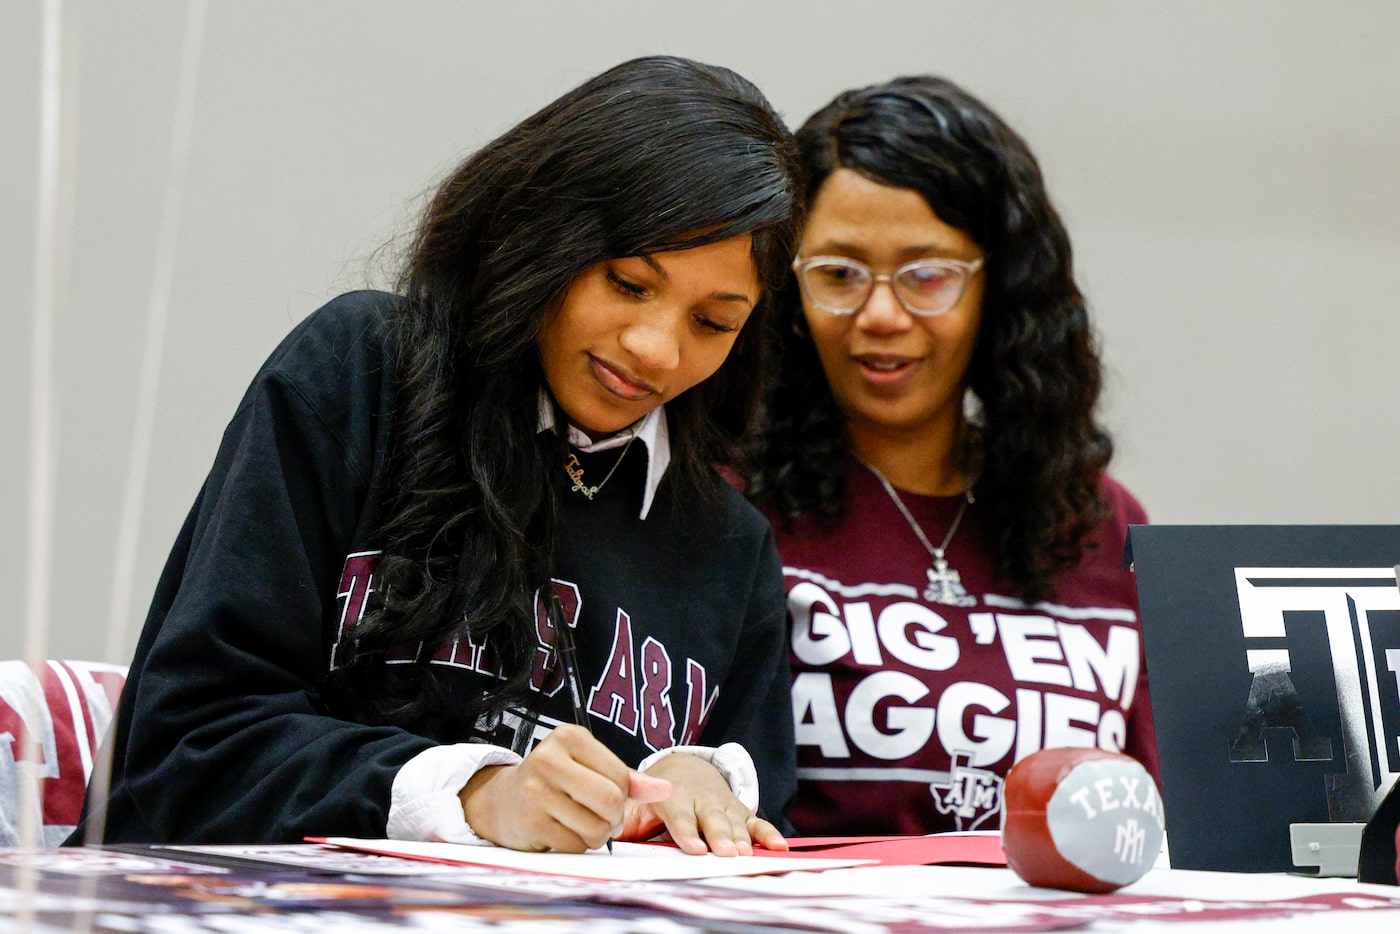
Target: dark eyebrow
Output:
[(651, 261), (913, 251), (717, 296), (838, 245)]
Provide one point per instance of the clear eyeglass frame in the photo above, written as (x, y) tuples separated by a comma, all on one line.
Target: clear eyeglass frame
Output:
[(965, 271)]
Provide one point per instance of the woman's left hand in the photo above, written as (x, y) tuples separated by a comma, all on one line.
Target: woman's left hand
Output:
[(701, 815)]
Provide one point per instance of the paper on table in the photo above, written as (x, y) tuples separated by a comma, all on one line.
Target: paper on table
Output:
[(629, 862), (976, 848)]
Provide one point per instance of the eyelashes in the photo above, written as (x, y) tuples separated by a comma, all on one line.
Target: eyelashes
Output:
[(714, 326), (633, 290), (626, 288)]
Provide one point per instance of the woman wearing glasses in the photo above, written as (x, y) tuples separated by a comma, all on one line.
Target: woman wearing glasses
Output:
[(953, 550)]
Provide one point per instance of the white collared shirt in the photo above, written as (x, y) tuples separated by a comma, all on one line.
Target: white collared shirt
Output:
[(650, 430)]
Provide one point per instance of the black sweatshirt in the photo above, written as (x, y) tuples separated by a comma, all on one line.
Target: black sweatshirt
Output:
[(224, 733)]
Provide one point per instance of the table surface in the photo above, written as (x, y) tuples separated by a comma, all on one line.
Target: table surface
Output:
[(168, 891)]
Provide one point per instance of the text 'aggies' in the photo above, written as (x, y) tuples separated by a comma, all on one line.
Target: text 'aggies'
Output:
[(889, 713), (633, 691)]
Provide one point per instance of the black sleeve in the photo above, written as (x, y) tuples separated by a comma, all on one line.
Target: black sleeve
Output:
[(1377, 862), (755, 706), (229, 739)]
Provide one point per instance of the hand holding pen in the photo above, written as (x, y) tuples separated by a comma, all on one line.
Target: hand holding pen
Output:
[(570, 794), (708, 817), (568, 663)]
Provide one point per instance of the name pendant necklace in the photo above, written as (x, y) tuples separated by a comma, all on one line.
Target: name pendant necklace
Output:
[(574, 469), (944, 582)]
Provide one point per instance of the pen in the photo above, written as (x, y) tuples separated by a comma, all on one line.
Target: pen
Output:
[(564, 645)]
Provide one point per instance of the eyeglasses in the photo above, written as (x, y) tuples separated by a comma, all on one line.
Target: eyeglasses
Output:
[(927, 287)]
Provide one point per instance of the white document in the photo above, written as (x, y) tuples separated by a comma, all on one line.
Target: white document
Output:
[(628, 862)]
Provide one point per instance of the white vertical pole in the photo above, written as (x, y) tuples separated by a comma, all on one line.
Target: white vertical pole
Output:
[(42, 432)]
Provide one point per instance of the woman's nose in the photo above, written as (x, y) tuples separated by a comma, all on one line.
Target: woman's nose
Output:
[(882, 310), (653, 341)]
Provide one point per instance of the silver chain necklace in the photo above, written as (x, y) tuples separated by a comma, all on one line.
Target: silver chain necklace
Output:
[(574, 469), (944, 582)]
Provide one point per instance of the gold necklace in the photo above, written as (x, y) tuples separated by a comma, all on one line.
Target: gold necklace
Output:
[(944, 582), (574, 469)]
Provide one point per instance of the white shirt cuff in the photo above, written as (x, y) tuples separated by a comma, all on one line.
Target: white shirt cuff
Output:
[(423, 803), (733, 762)]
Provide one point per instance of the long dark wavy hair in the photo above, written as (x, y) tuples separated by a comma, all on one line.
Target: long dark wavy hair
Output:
[(1036, 366), (656, 154)]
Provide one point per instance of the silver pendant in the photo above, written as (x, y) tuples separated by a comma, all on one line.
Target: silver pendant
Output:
[(945, 585)]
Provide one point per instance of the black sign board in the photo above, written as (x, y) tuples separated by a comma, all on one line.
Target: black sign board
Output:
[(1273, 657)]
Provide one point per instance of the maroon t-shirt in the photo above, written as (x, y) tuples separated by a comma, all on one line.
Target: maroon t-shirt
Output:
[(909, 712)]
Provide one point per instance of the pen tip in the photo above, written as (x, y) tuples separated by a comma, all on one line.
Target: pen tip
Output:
[(609, 846)]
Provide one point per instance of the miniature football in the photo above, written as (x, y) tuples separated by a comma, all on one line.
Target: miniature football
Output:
[(1086, 820)]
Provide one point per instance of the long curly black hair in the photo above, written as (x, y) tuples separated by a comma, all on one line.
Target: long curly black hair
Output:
[(654, 155), (1036, 367)]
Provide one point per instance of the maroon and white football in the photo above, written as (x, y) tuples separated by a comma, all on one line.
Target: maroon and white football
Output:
[(1086, 820)]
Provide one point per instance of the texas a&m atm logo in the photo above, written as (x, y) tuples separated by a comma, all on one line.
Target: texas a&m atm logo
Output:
[(1297, 622)]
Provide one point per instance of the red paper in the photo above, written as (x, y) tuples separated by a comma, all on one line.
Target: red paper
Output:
[(932, 850)]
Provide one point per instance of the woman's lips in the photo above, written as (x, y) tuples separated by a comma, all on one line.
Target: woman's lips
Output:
[(884, 369), (619, 382)]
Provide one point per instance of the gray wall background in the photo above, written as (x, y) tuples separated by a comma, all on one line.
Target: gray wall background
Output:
[(1229, 171)]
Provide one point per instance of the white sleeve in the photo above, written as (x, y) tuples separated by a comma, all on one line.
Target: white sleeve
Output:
[(423, 803), (733, 762)]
